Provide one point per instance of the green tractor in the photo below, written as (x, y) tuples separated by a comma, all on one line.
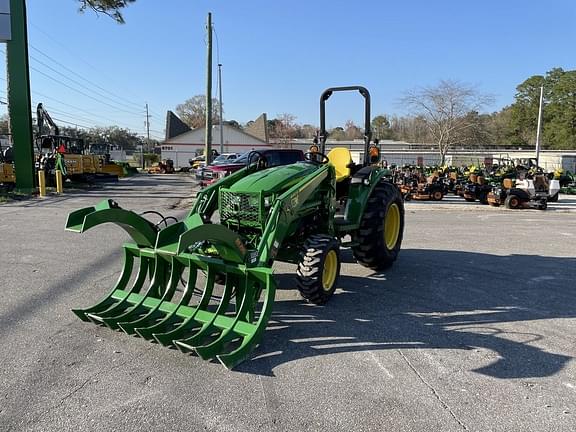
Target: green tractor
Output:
[(302, 213)]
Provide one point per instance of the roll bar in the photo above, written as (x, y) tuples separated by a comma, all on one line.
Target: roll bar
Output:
[(323, 135)]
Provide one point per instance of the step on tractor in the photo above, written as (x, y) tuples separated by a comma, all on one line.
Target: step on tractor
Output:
[(205, 284)]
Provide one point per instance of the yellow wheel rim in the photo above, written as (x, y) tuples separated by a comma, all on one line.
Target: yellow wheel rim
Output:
[(392, 226), (330, 270)]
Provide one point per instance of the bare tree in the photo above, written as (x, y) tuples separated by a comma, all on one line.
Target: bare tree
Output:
[(352, 131), (193, 111), (284, 129), (445, 109)]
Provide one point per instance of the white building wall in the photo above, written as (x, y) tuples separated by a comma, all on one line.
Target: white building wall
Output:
[(188, 145)]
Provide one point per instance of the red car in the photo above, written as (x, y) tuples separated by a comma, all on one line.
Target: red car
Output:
[(274, 157)]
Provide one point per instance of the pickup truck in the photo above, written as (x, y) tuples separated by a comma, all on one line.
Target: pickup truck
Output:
[(274, 157)]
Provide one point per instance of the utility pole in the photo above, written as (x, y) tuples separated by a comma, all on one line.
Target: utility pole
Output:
[(147, 133), (220, 98), (538, 130), (208, 136)]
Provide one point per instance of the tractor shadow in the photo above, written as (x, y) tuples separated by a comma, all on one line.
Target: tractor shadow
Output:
[(433, 300)]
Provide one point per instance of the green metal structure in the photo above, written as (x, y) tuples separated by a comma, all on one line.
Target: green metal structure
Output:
[(19, 98), (205, 284)]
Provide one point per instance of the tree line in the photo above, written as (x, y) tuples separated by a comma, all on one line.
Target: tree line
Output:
[(448, 114)]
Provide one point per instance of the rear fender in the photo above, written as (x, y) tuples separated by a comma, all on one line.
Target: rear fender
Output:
[(361, 187)]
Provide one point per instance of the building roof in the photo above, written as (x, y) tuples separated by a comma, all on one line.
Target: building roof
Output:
[(178, 132), (174, 126)]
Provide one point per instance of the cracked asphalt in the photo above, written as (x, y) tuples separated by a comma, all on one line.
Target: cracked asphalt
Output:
[(473, 329)]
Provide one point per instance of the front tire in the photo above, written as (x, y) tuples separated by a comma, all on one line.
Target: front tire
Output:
[(319, 268), (379, 237)]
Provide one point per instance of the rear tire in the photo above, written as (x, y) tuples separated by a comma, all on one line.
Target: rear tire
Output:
[(437, 195), (512, 202), (319, 268), (379, 236)]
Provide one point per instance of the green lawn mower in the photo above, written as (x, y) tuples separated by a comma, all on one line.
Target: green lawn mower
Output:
[(205, 284)]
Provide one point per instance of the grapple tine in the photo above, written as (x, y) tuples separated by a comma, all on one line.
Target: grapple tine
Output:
[(171, 318), (116, 293), (138, 303), (154, 312), (227, 325), (123, 301), (187, 314), (250, 340), (187, 344)]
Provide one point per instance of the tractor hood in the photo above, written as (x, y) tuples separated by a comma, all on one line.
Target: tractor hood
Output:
[(274, 180)]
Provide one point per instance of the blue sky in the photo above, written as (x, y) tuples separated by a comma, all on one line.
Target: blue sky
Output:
[(278, 56)]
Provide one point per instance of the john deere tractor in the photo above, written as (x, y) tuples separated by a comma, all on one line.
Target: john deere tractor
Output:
[(302, 213)]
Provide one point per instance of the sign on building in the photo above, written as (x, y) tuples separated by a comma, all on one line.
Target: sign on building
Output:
[(5, 28)]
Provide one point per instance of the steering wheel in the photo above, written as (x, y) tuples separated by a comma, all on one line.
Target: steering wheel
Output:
[(257, 159), (316, 158)]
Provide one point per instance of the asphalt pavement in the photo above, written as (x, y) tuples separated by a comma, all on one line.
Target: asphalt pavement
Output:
[(473, 329)]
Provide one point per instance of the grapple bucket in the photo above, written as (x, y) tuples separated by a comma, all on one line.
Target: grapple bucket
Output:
[(211, 304)]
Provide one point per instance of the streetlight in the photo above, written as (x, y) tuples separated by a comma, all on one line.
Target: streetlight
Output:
[(220, 97)]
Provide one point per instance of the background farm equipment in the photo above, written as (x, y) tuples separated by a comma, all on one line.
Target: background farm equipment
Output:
[(414, 184), (534, 192), (7, 177), (300, 213), (69, 154), (163, 167), (477, 189)]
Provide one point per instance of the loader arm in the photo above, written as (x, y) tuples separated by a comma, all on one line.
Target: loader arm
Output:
[(286, 209)]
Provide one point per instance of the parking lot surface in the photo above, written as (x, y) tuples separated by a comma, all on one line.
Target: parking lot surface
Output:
[(472, 329)]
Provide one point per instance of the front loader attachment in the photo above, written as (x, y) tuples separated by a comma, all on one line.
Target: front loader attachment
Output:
[(188, 286)]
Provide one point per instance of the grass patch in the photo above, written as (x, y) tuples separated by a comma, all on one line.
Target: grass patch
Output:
[(11, 195)]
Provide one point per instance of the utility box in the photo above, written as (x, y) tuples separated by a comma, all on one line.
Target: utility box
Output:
[(5, 26)]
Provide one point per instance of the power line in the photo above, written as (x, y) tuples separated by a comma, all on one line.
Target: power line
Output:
[(70, 123), (80, 91), (79, 83), (82, 77), (73, 116), (81, 86), (77, 56), (34, 92), (117, 108)]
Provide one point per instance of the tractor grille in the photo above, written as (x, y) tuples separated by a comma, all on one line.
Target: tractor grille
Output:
[(241, 208)]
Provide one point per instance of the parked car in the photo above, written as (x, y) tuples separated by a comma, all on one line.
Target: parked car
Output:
[(274, 157), (225, 158)]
